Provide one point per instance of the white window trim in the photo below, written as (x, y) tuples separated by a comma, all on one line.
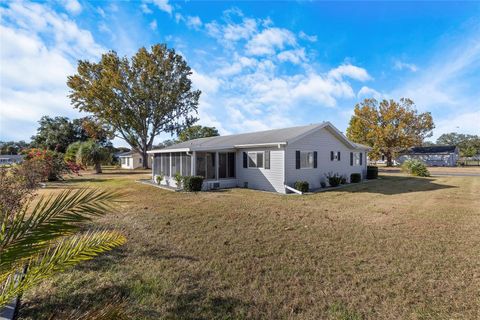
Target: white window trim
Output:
[(313, 157), (256, 158)]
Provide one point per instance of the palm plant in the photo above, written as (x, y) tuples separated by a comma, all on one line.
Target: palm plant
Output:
[(91, 153), (47, 239)]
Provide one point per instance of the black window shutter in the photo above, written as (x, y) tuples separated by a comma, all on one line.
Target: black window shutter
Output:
[(297, 159), (267, 159), (338, 155), (245, 159), (361, 158), (332, 156), (351, 158), (315, 159)]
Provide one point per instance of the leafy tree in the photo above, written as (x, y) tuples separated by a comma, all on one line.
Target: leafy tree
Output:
[(91, 153), (12, 147), (468, 144), (57, 133), (140, 97), (389, 126), (71, 152), (46, 239), (97, 131), (195, 132)]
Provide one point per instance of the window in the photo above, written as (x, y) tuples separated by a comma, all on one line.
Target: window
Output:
[(123, 160), (226, 165), (140, 160), (338, 155), (357, 158), (128, 161), (306, 159), (267, 159), (255, 159)]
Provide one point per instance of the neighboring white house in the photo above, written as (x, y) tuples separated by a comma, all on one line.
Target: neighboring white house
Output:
[(132, 160), (266, 160), (434, 156), (10, 159)]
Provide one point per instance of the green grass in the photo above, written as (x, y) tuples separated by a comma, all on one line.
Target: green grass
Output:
[(396, 248)]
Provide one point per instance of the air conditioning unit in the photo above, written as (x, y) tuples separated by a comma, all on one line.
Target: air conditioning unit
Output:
[(215, 185)]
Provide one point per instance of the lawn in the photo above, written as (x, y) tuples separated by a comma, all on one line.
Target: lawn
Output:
[(395, 248)]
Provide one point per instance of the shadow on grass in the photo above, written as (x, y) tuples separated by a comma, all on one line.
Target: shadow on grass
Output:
[(390, 185), (198, 302)]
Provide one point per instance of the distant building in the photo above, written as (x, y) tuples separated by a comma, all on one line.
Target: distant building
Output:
[(132, 160), (7, 159), (433, 156)]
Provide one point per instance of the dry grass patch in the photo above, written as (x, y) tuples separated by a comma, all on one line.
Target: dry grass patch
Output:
[(396, 248)]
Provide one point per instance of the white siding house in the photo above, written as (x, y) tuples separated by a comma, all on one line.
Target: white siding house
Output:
[(132, 160), (267, 160)]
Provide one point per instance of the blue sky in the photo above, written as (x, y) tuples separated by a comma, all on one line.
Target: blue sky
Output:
[(260, 65)]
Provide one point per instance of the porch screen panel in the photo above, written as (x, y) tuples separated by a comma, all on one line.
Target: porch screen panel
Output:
[(186, 165), (200, 164), (222, 165), (157, 163), (176, 163), (210, 166), (231, 165), (166, 164)]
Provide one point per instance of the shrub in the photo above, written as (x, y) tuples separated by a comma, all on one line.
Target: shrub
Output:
[(301, 186), (323, 184), (372, 172), (415, 167), (334, 180), (159, 178), (343, 180), (178, 180), (192, 183), (49, 165), (355, 177)]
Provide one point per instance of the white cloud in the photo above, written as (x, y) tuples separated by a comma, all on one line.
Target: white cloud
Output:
[(145, 8), (294, 56), (467, 122), (399, 65), (194, 22), (73, 6), (366, 92), (302, 35), (270, 40), (24, 51), (153, 25), (351, 71), (163, 5)]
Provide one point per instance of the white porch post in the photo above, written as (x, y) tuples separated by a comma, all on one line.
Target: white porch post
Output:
[(153, 168), (170, 169), (216, 165), (193, 163)]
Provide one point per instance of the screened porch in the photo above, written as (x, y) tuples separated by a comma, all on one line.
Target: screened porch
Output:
[(210, 165)]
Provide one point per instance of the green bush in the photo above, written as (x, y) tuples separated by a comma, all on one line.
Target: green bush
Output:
[(355, 177), (415, 167), (192, 183), (301, 186), (334, 180), (372, 172)]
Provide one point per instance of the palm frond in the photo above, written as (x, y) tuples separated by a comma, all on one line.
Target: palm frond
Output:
[(58, 256), (51, 218)]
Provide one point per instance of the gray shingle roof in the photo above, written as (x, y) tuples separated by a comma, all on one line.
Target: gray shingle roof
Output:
[(284, 135), (260, 137), (432, 149)]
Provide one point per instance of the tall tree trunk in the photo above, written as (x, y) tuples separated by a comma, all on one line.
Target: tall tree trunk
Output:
[(98, 167), (145, 159), (389, 159)]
